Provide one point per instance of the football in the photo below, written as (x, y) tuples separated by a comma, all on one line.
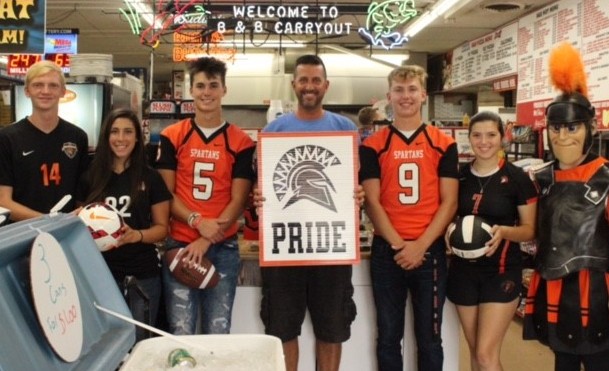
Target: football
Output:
[(198, 276), (467, 236), (104, 223)]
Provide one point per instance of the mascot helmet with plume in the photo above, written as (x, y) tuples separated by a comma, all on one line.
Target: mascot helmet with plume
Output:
[(572, 106)]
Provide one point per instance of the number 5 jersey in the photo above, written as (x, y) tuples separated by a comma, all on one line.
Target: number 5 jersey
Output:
[(205, 168)]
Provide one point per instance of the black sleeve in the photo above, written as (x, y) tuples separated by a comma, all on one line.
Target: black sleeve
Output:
[(449, 163), (527, 190), (243, 164), (6, 161), (82, 189), (158, 188), (166, 159), (369, 164)]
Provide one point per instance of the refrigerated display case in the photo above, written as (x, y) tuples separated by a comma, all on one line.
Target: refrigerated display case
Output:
[(84, 104)]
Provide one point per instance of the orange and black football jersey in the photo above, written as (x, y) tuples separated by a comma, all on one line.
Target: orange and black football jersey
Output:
[(409, 170), (205, 169)]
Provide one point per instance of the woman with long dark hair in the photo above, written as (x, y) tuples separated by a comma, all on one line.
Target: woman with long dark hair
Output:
[(486, 290), (119, 176)]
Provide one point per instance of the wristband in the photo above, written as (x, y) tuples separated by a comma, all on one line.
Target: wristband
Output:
[(198, 220), (141, 236), (192, 218)]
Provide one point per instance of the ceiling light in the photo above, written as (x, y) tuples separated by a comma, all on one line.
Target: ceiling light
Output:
[(222, 56), (144, 10), (260, 44), (454, 10), (395, 59), (441, 7), (278, 45)]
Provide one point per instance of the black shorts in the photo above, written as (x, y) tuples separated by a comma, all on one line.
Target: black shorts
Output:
[(471, 284), (326, 291)]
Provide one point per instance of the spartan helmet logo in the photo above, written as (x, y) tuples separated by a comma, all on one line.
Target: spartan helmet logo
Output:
[(299, 175)]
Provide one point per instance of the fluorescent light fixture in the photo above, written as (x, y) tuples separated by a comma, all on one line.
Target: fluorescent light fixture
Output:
[(276, 45), (395, 59), (144, 10), (222, 56), (431, 15), (253, 45), (453, 10)]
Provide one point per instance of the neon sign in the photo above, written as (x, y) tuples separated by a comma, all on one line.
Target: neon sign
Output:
[(382, 20), (292, 20), (133, 17), (197, 17), (189, 44)]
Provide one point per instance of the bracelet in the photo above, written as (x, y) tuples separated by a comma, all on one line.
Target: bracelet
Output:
[(198, 220), (141, 236), (192, 218)]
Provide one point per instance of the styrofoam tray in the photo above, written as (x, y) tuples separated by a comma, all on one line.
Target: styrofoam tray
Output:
[(212, 352)]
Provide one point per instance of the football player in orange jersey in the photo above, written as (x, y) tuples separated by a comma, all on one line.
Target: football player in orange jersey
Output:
[(206, 163), (41, 156), (568, 300), (409, 172)]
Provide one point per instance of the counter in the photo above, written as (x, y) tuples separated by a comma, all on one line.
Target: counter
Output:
[(359, 351)]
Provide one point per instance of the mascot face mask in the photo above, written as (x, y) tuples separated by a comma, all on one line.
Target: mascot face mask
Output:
[(568, 143), (570, 121), (570, 116)]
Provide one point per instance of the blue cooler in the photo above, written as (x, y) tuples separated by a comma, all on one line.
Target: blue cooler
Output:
[(23, 344)]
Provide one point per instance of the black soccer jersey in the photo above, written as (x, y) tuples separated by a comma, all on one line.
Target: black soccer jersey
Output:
[(137, 259), (41, 167), (496, 198)]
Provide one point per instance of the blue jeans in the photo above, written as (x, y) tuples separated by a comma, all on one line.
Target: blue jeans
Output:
[(214, 304), (143, 297), (390, 287)]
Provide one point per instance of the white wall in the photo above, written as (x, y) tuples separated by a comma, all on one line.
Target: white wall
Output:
[(254, 79)]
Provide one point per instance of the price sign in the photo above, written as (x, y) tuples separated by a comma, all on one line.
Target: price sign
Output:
[(56, 298), (18, 64), (60, 59)]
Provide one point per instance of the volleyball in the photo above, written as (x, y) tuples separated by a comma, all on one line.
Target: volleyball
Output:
[(467, 237)]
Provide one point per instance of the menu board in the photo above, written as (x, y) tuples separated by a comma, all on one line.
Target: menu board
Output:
[(595, 45), (487, 58), (585, 24)]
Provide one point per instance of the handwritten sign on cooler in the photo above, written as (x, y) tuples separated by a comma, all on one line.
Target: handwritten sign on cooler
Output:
[(56, 298)]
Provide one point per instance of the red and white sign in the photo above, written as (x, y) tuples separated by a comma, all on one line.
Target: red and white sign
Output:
[(505, 84), (309, 216), (187, 107), (162, 107)]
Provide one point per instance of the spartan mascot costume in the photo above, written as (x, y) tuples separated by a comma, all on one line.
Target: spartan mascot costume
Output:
[(567, 303)]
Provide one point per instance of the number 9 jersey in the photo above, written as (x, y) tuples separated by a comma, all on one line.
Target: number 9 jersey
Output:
[(409, 170), (205, 168)]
